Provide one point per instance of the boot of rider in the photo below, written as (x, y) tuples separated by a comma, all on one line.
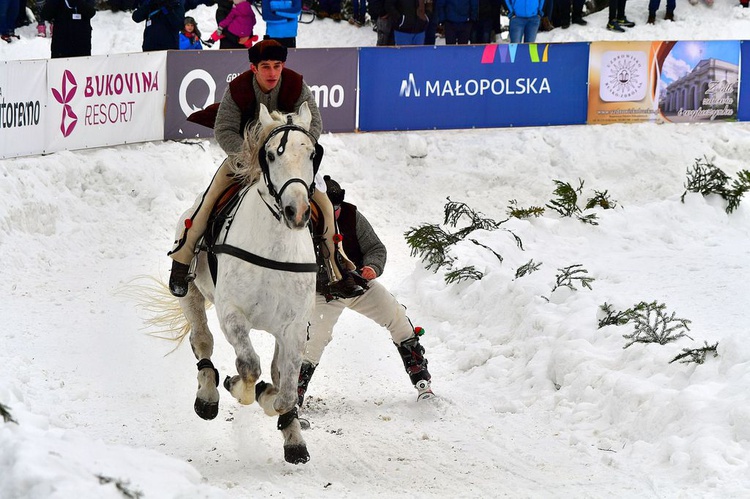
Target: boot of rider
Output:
[(412, 354), (193, 228), (305, 374)]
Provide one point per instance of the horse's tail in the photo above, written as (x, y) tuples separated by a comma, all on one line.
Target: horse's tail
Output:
[(165, 318)]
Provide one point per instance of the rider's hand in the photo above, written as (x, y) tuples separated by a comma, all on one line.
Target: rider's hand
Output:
[(368, 273)]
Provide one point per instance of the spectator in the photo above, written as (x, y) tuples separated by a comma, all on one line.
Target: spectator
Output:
[(190, 36), (525, 16), (488, 16), (562, 10), (430, 32), (164, 20), (382, 23), (546, 23), (282, 20), (238, 26), (359, 10), (223, 8), (617, 19), (362, 244), (409, 21), (8, 15), (329, 8), (72, 21), (457, 18), (653, 6)]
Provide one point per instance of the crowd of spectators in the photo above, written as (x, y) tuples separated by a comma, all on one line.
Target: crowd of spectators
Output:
[(395, 22)]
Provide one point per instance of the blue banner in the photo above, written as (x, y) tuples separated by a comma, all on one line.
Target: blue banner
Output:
[(472, 86), (743, 106)]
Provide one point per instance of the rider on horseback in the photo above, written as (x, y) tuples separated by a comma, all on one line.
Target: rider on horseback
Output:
[(280, 89)]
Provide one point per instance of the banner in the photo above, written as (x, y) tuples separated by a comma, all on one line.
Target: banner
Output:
[(198, 78), (103, 100), (743, 112), (681, 82), (23, 98), (468, 86)]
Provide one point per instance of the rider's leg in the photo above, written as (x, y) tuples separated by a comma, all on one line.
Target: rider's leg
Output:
[(340, 285), (192, 227)]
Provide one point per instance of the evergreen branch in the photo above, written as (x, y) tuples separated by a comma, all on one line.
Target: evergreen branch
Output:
[(602, 200), (697, 355), (613, 317), (5, 413), (653, 325), (566, 203), (705, 178), (497, 255), (527, 268), (570, 274), (454, 211), (430, 243), (522, 213), (463, 274)]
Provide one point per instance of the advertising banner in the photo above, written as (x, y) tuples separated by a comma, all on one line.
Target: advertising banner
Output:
[(743, 112), (468, 86), (96, 101), (198, 78), (681, 82), (23, 98)]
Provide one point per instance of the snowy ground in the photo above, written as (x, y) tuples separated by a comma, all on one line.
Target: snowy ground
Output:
[(534, 399)]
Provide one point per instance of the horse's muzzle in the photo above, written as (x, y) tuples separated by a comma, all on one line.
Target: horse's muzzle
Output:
[(296, 217)]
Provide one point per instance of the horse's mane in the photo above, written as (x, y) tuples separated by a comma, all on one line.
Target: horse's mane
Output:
[(244, 165)]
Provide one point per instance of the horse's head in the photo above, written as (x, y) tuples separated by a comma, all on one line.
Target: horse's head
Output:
[(288, 157)]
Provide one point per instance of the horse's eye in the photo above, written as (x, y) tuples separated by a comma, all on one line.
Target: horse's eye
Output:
[(270, 156)]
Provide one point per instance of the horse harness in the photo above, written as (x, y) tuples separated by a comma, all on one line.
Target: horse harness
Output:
[(221, 221)]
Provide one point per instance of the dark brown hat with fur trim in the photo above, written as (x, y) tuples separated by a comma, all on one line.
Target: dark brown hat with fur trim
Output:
[(267, 50)]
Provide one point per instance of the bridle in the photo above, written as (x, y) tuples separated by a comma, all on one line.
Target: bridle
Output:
[(264, 154)]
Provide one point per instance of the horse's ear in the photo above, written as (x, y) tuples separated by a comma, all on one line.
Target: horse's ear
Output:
[(305, 116), (264, 116)]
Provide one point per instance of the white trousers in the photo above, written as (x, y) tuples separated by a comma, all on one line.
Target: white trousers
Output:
[(376, 304)]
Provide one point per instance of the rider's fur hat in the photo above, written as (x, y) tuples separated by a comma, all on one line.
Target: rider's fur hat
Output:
[(267, 50), (334, 190)]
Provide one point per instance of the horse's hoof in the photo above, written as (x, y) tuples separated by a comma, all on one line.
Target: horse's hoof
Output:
[(206, 410), (260, 387), (296, 454)]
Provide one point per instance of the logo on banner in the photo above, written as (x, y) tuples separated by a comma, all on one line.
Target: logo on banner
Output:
[(204, 76), (66, 93), (623, 76), (474, 87), (506, 53)]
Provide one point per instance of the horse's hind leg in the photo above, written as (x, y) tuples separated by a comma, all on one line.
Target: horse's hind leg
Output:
[(241, 386), (202, 342)]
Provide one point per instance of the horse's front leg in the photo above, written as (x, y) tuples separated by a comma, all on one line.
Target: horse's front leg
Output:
[(202, 342), (236, 329), (281, 397)]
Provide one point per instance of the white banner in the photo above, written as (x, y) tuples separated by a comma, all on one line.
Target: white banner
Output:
[(23, 95), (106, 100)]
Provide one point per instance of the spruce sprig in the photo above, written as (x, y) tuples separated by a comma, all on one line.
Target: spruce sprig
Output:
[(653, 325), (697, 355)]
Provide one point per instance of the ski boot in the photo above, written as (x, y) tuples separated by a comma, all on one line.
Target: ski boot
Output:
[(412, 354)]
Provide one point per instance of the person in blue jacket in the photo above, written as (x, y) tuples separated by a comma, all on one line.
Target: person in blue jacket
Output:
[(164, 20), (282, 19), (457, 18), (190, 36), (525, 16)]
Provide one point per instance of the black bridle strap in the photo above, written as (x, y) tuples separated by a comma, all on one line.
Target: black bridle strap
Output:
[(264, 262)]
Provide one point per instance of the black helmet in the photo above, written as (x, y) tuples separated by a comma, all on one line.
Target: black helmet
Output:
[(334, 190)]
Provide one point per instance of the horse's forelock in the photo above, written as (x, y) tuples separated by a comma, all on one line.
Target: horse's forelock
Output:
[(245, 165)]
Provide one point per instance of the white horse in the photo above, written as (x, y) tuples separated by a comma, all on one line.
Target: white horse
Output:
[(265, 274)]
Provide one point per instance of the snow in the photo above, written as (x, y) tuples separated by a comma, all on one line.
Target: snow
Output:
[(534, 399)]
